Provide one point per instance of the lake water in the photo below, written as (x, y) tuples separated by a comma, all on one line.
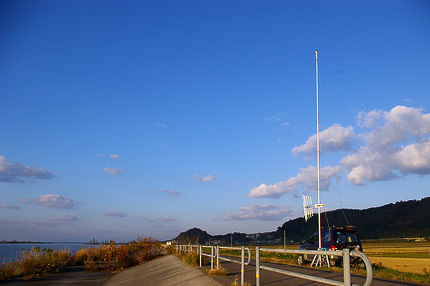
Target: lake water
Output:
[(9, 251)]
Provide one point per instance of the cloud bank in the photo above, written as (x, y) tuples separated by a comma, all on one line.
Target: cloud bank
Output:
[(11, 172), (394, 143), (50, 201), (66, 218), (307, 178), (264, 212), (397, 144), (335, 138), (9, 207), (115, 214)]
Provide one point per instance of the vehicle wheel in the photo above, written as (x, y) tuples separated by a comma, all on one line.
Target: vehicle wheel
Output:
[(337, 263), (300, 260)]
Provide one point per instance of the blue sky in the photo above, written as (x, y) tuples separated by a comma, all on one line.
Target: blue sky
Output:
[(127, 118)]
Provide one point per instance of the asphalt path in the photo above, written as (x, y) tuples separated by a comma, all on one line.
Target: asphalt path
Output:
[(166, 271), (272, 278)]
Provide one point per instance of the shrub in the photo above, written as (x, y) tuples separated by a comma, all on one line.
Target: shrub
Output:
[(6, 271), (37, 262), (115, 257), (191, 258)]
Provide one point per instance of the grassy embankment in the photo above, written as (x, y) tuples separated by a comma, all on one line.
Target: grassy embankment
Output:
[(113, 258), (396, 260)]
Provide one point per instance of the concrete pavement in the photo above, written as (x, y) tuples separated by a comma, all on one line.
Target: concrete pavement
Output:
[(166, 271)]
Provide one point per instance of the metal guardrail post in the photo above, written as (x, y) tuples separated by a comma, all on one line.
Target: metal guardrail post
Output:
[(242, 267), (212, 257), (346, 267), (217, 257), (257, 266), (200, 252), (368, 265)]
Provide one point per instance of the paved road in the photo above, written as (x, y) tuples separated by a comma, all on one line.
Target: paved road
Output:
[(166, 271)]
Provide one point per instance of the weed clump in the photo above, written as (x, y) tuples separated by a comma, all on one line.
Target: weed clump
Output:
[(237, 283), (217, 272)]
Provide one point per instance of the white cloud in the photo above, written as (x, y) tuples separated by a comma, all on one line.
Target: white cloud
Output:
[(306, 178), (263, 212), (277, 118), (384, 155), (115, 214), (50, 201), (206, 179), (113, 171), (209, 178), (9, 207), (370, 119), (16, 172), (414, 158), (160, 124), (113, 156), (166, 220), (335, 138), (66, 218), (170, 193)]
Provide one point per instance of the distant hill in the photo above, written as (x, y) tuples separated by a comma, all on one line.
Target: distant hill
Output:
[(402, 219)]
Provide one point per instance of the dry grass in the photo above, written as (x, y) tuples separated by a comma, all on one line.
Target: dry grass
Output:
[(413, 265), (397, 249), (403, 256)]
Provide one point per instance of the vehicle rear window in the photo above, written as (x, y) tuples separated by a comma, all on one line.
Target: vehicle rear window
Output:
[(327, 236), (344, 237)]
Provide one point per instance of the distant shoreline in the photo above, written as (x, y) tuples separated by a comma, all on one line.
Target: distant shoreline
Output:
[(43, 242)]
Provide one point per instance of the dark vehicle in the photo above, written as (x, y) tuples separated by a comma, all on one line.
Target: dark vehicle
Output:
[(336, 238)]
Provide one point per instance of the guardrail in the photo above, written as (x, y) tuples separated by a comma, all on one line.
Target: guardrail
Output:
[(241, 262), (215, 253), (346, 254)]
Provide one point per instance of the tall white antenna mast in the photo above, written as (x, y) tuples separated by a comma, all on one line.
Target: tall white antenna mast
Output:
[(318, 155), (307, 201)]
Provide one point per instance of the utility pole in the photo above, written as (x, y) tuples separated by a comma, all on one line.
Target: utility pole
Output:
[(285, 242)]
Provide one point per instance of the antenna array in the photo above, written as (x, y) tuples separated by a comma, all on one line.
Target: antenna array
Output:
[(308, 207)]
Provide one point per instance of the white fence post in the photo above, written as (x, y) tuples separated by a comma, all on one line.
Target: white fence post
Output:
[(257, 266), (346, 267), (242, 267)]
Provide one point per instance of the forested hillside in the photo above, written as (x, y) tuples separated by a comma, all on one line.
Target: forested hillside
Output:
[(401, 219)]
